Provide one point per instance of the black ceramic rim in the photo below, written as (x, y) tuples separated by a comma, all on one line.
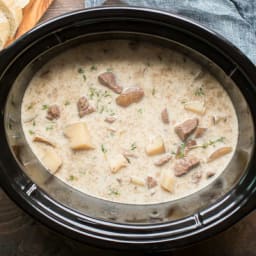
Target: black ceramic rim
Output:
[(171, 235)]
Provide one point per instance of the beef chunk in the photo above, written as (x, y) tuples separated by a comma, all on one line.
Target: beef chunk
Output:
[(130, 95), (151, 182), (163, 159), (84, 107), (108, 79), (110, 119), (53, 112), (200, 132), (186, 128), (184, 165), (165, 116)]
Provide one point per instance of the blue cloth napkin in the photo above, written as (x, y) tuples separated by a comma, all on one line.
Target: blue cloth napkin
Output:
[(233, 19)]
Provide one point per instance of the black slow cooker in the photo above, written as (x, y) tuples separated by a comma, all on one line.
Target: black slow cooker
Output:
[(103, 223)]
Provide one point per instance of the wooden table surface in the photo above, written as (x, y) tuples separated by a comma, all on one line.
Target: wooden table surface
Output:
[(20, 235)]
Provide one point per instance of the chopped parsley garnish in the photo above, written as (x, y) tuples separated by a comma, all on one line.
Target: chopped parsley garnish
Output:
[(31, 132), (103, 149), (45, 107), (133, 146), (80, 71), (153, 91), (101, 109), (84, 77), (34, 123), (48, 128), (31, 105), (159, 57), (109, 69), (72, 178), (199, 91), (113, 191), (106, 94), (140, 110), (181, 151), (213, 142), (93, 67), (66, 103)]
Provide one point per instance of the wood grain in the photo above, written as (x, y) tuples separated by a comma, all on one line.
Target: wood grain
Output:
[(32, 13)]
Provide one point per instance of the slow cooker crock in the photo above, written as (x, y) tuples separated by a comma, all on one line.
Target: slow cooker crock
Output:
[(114, 225)]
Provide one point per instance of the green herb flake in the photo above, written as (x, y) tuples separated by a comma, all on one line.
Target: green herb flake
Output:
[(140, 110), (31, 132), (103, 149), (34, 123), (109, 69), (213, 142), (102, 108), (113, 191), (48, 128), (72, 178), (133, 146), (199, 91), (153, 91), (181, 151), (66, 103), (45, 107), (93, 67), (80, 70), (31, 105), (84, 77), (106, 94), (183, 102)]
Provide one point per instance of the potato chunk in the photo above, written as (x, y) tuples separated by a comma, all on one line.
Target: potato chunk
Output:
[(137, 181), (155, 147), (44, 140), (79, 137), (219, 153), (197, 107), (117, 162), (51, 160), (167, 180)]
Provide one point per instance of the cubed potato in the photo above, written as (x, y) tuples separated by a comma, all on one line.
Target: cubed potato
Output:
[(197, 107), (117, 162), (219, 153), (43, 140), (79, 136), (167, 180), (138, 181), (155, 147), (51, 160)]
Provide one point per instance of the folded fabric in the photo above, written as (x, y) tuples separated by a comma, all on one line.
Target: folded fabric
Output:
[(233, 19)]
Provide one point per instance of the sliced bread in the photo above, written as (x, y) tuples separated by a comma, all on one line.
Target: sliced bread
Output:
[(4, 30), (13, 13)]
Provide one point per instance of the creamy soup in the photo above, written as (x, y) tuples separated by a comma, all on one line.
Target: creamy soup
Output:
[(130, 122)]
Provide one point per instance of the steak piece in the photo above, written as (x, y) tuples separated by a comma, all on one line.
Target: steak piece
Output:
[(184, 165), (130, 95), (108, 79), (151, 182), (200, 132), (53, 112), (186, 128), (163, 160), (165, 116), (83, 107)]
